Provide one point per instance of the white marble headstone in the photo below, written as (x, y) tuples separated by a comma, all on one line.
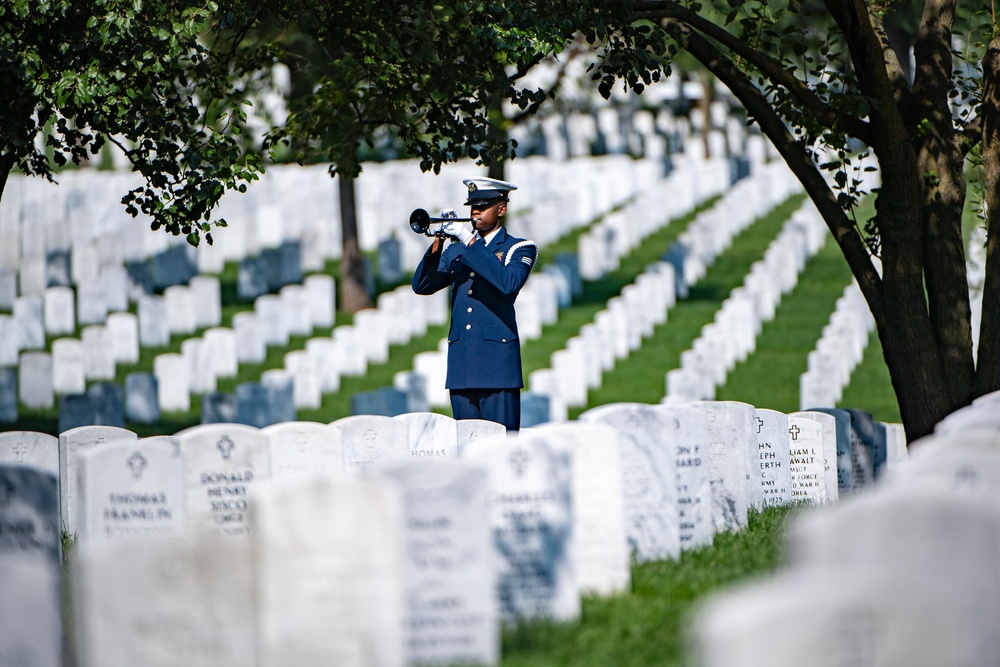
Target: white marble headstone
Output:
[(771, 458), (730, 431), (30, 567), (68, 372), (30, 448), (186, 599), (600, 543), (431, 435), (329, 572), (372, 439), (694, 492), (649, 471), (531, 513), (222, 463), (828, 429), (452, 609), (305, 448), (131, 489), (471, 430), (71, 443)]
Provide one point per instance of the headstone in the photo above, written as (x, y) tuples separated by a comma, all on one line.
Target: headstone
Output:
[(390, 260), (173, 381), (384, 401), (98, 354), (206, 292), (845, 447), (252, 406), (142, 398), (431, 435), (414, 385), (600, 544), (180, 309), (222, 463), (35, 373), (305, 448), (76, 410), (109, 404), (91, 308), (59, 316), (828, 426), (8, 289), (220, 348), (251, 281), (806, 460), (469, 431), (114, 285), (29, 321), (71, 443), (730, 430), (218, 407), (250, 345), (771, 458), (29, 448), (8, 395), (649, 470), (689, 437), (370, 440), (534, 409), (68, 373), (131, 489), (452, 611), (290, 263), (10, 341), (297, 308), (140, 280), (869, 459), (123, 330), (166, 600), (154, 328), (280, 395), (305, 378), (30, 567), (321, 296), (531, 514), (174, 266), (330, 583)]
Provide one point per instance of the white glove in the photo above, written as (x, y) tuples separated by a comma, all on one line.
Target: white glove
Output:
[(448, 213), (458, 231)]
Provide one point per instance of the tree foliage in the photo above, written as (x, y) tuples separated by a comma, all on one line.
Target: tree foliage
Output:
[(157, 78)]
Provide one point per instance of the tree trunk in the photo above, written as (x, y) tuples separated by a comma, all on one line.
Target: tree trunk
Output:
[(988, 366), (353, 293), (707, 91)]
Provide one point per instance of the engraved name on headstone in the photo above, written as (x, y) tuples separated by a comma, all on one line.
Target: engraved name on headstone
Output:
[(772, 458), (71, 443)]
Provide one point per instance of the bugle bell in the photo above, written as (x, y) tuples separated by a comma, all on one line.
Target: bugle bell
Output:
[(420, 222)]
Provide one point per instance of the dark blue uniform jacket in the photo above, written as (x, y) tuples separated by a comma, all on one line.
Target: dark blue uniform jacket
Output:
[(483, 347)]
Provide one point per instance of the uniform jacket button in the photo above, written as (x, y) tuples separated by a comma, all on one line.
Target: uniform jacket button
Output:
[(468, 326), (468, 310)]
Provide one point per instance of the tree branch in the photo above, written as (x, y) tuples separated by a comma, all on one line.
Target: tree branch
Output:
[(770, 67), (791, 151)]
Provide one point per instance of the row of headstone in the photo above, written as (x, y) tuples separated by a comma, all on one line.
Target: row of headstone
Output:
[(839, 350), (904, 574), (507, 530), (732, 335)]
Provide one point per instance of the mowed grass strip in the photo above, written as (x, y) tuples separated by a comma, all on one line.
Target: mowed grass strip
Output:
[(648, 626), (769, 377), (870, 387), (536, 354), (641, 376)]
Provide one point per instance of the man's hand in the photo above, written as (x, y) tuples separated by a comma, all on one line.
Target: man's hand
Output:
[(457, 231)]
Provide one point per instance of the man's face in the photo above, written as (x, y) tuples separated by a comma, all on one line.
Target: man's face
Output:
[(486, 217)]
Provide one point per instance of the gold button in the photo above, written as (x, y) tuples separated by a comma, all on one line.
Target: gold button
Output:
[(469, 310), (470, 292), (472, 274), (503, 340), (468, 326)]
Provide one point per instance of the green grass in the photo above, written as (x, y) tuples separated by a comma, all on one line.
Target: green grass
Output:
[(769, 378), (870, 387), (641, 376), (648, 626)]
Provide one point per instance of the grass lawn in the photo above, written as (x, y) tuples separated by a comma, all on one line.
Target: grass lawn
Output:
[(647, 626)]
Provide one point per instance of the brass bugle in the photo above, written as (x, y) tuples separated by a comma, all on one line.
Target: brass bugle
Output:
[(420, 221)]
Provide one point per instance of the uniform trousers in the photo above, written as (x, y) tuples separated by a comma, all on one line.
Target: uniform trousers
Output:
[(502, 406)]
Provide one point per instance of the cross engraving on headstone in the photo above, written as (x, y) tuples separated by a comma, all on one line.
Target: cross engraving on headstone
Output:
[(370, 437), (710, 420), (760, 423), (966, 478), (795, 432), (136, 463), (519, 461), (20, 449), (225, 445), (6, 490), (100, 441), (302, 440)]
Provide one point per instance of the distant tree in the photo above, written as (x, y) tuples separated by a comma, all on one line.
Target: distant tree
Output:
[(158, 78)]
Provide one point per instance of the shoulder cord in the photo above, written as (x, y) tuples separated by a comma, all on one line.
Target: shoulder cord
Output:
[(517, 246)]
